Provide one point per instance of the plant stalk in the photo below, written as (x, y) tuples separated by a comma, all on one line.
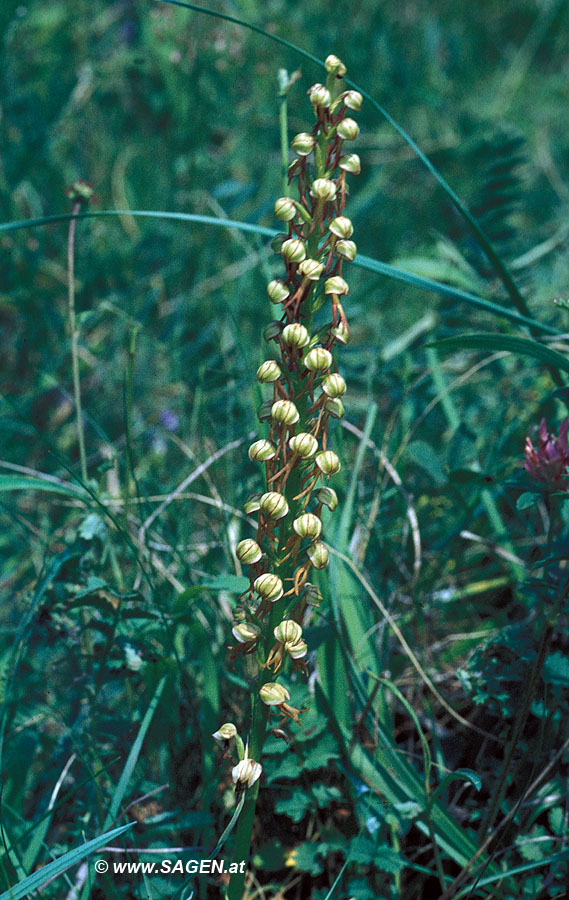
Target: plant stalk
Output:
[(74, 338)]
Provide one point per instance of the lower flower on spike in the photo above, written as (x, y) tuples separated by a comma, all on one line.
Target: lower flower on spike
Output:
[(246, 772), (273, 694)]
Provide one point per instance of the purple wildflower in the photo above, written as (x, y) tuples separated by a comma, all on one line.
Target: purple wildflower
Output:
[(169, 420), (548, 463)]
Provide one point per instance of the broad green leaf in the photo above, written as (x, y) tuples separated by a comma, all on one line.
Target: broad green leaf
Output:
[(556, 669), (526, 500), (295, 805), (319, 755), (307, 857), (325, 794)]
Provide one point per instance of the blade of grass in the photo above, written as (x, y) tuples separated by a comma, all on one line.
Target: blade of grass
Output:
[(510, 342), (364, 262), (132, 757), (515, 870), (53, 869), (25, 483)]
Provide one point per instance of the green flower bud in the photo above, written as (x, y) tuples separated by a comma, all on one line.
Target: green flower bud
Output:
[(311, 269), (334, 385), (303, 444), (273, 330), (264, 411), (246, 772), (273, 694), (318, 555), (269, 371), (348, 129), (277, 242), (277, 291), (285, 210), (335, 407), (274, 505), (288, 631), (350, 163), (323, 189), (328, 462), (269, 587), (341, 226), (346, 249), (261, 451), (327, 496), (296, 649), (318, 359), (252, 504), (308, 525), (246, 632), (248, 552), (303, 144), (353, 100), (225, 733), (295, 336), (319, 96), (284, 412), (312, 594), (336, 285), (294, 250), (335, 66)]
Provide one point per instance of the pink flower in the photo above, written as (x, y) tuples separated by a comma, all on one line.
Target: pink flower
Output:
[(548, 463)]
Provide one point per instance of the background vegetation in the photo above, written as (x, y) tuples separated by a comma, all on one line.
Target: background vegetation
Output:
[(111, 586)]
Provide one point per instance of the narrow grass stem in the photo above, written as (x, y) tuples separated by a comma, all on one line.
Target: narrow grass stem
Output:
[(74, 335)]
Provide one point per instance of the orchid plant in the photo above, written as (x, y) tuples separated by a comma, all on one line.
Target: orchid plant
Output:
[(306, 392)]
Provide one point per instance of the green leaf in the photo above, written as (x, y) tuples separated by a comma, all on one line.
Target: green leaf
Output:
[(369, 852), (526, 500), (295, 806), (324, 794), (359, 889), (306, 857), (512, 343), (556, 669), (531, 849), (319, 755), (458, 775), (235, 584), (25, 483), (423, 455), (53, 869), (557, 820), (91, 527)]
